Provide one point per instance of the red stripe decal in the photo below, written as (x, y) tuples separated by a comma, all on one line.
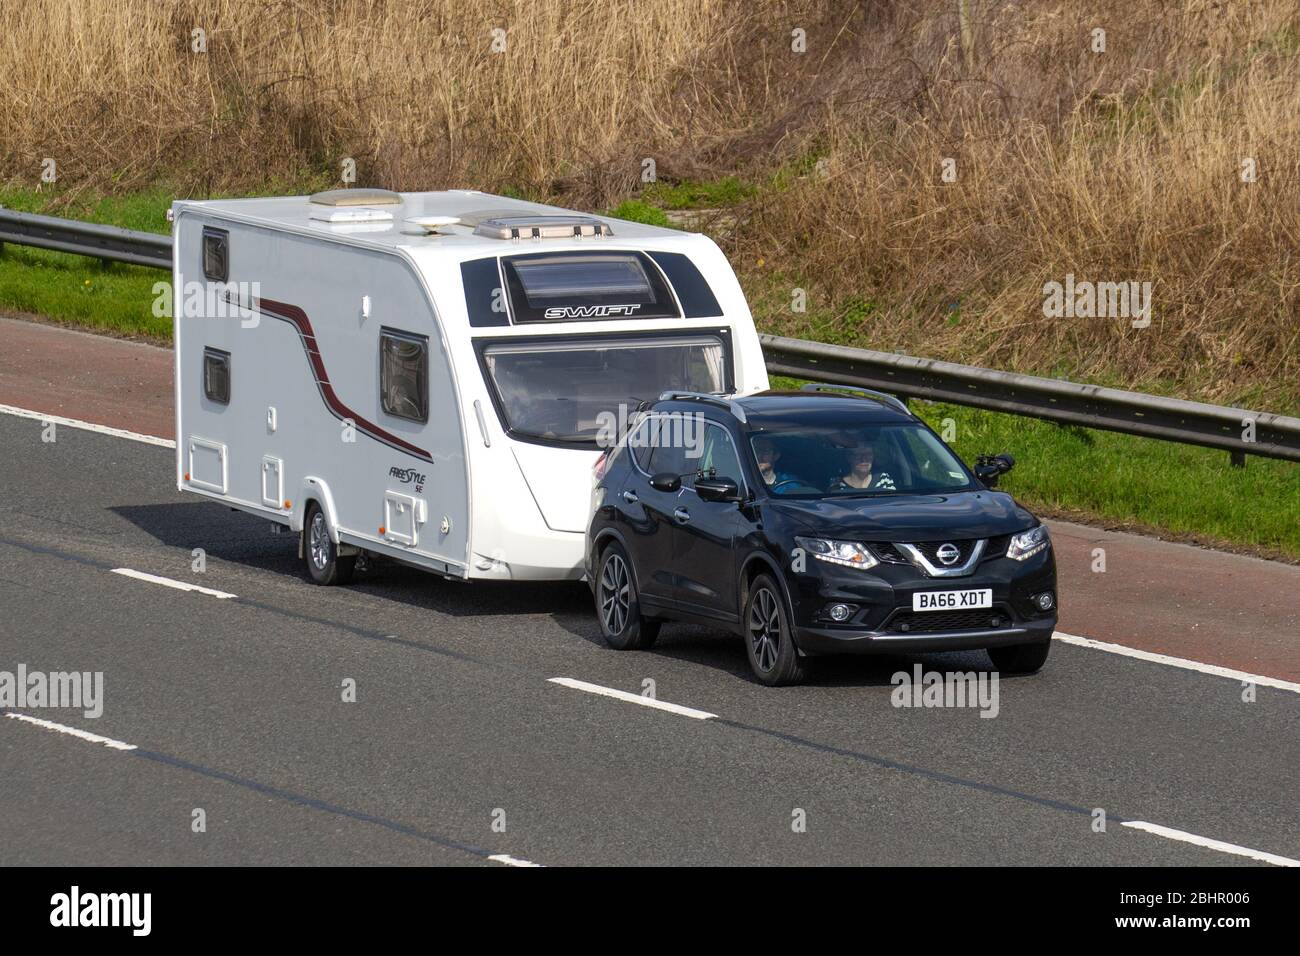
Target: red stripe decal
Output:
[(298, 319)]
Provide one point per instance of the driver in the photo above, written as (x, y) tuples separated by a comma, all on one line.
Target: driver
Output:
[(861, 472), (766, 453)]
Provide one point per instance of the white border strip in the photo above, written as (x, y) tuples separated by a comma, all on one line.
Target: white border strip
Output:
[(71, 731), (1214, 669), (169, 583), (632, 698), (507, 860), (1184, 837), (87, 426)]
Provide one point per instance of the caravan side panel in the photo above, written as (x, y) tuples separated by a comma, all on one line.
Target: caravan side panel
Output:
[(304, 407)]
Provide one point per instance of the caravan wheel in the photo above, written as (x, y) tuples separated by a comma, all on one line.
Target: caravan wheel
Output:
[(321, 554)]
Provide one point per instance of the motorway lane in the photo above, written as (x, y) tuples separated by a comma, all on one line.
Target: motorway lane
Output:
[(455, 717)]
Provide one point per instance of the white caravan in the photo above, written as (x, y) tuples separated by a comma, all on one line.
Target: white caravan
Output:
[(429, 376)]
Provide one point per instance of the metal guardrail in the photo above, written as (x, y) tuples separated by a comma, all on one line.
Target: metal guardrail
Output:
[(1091, 406), (107, 243)]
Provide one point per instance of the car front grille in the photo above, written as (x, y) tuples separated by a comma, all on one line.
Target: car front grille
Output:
[(936, 622), (887, 552), (931, 548)]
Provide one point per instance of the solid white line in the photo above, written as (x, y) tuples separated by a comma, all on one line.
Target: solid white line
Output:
[(1209, 844), (632, 698), (1214, 669), (511, 861), (87, 426), (169, 583), (72, 731)]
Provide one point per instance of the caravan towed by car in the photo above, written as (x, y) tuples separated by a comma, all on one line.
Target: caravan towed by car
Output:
[(430, 376)]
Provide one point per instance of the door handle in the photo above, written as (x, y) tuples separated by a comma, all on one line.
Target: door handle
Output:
[(682, 515), (630, 497)]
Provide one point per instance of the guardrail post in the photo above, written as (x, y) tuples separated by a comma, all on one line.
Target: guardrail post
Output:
[(1238, 459)]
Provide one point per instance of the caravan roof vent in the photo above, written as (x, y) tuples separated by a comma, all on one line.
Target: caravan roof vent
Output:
[(541, 227), (357, 197)]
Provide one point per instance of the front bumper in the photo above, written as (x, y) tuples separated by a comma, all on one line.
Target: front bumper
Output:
[(883, 621), (814, 640)]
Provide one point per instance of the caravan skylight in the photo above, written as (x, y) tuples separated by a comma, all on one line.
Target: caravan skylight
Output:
[(567, 285)]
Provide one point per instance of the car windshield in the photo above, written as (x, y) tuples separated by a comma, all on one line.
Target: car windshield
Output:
[(855, 459), (577, 391)]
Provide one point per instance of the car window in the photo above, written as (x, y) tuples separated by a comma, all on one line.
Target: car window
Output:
[(719, 458), (641, 442), (676, 445), (823, 456)]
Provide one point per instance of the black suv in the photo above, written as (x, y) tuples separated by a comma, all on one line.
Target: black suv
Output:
[(822, 521)]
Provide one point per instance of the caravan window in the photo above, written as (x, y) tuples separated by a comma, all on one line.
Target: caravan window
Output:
[(404, 374), (216, 254), (216, 375), (571, 390), (567, 286)]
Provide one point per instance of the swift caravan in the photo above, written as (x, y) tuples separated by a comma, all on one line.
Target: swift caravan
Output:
[(430, 376)]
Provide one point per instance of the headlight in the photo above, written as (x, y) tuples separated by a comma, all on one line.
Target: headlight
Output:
[(848, 553), (1028, 543)]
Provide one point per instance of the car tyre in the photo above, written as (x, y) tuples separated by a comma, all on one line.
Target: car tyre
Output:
[(769, 640), (324, 563), (622, 624), (1020, 658)]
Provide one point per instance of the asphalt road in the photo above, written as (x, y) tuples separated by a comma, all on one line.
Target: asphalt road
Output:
[(235, 706)]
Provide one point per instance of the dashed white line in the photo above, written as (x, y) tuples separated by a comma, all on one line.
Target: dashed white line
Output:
[(169, 583), (71, 731), (1184, 837), (87, 426), (1185, 664), (633, 698), (508, 860)]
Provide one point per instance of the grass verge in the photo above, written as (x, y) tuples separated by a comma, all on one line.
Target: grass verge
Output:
[(75, 290)]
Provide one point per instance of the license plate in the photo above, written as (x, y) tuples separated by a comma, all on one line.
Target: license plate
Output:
[(952, 600)]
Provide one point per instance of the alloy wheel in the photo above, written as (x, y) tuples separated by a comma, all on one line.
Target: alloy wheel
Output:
[(764, 629), (615, 594), (320, 542)]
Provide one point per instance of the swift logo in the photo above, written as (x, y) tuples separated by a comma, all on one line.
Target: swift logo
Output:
[(591, 311)]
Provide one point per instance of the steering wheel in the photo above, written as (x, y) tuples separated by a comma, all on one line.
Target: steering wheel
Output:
[(776, 488)]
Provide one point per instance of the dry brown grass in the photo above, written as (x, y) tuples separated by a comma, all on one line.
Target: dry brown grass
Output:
[(1116, 166)]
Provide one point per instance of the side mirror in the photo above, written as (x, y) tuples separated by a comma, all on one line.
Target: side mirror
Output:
[(666, 481), (988, 468), (717, 489)]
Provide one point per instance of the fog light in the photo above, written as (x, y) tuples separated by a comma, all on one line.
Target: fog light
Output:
[(1045, 601), (839, 612)]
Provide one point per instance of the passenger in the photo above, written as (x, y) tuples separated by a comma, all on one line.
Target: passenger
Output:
[(861, 475)]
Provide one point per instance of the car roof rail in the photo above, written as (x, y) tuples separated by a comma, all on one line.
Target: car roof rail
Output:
[(673, 395), (893, 401)]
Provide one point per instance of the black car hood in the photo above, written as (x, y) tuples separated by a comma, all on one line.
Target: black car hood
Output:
[(965, 514)]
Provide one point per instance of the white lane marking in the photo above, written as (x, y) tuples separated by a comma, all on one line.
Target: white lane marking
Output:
[(169, 583), (1185, 837), (71, 731), (87, 426), (1182, 662), (632, 698), (508, 860)]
